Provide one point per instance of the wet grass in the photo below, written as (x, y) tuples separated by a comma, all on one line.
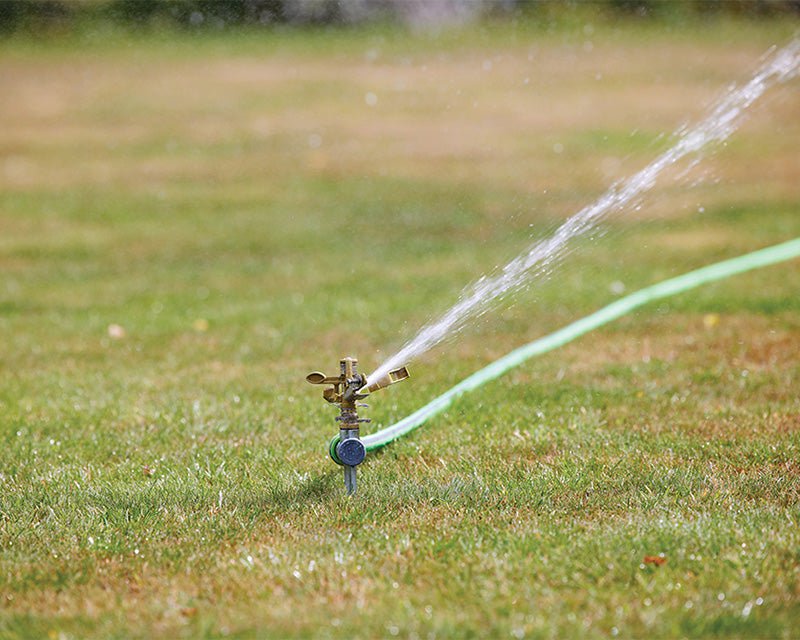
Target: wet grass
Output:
[(190, 225)]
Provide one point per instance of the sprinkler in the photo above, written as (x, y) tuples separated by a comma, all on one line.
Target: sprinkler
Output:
[(346, 390)]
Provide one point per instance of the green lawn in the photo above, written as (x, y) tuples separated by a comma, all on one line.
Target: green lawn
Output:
[(189, 225)]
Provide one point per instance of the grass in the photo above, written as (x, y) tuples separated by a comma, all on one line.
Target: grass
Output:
[(237, 208)]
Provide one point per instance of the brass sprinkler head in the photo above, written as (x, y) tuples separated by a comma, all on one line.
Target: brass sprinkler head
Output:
[(346, 390)]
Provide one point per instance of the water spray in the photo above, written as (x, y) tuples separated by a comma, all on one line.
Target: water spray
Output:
[(542, 257), (346, 390)]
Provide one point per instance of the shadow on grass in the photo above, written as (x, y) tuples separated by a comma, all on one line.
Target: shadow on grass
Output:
[(312, 490)]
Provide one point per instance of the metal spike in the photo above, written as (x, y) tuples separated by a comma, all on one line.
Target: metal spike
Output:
[(350, 480)]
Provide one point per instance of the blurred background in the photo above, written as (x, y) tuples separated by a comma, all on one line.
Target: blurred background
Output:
[(34, 15), (227, 168)]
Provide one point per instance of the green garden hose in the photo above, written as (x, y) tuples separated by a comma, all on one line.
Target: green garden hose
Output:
[(720, 270)]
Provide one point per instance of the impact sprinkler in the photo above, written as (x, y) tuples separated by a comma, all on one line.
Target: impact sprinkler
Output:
[(346, 390)]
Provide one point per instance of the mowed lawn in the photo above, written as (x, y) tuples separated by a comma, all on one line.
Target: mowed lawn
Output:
[(191, 223)]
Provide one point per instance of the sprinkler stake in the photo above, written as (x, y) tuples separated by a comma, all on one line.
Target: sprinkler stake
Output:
[(346, 390)]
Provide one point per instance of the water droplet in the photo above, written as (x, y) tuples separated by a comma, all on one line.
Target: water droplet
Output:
[(116, 331), (315, 140)]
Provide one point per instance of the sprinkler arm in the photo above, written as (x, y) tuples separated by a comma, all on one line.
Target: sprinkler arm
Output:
[(357, 387), (342, 389)]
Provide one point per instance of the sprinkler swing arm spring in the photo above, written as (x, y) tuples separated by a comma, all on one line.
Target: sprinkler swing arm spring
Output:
[(346, 390)]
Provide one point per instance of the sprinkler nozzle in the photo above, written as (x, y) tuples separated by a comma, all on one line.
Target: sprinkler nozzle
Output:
[(396, 375), (346, 390)]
